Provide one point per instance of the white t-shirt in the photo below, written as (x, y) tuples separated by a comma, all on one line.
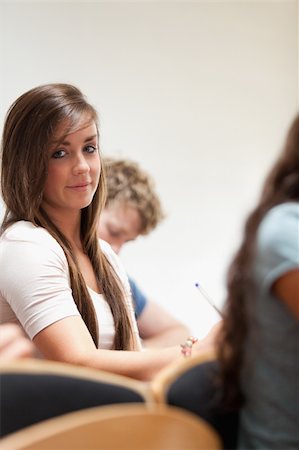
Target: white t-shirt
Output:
[(35, 285)]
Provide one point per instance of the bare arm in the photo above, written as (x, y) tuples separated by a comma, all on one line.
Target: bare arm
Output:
[(158, 328), (13, 343), (287, 289), (68, 340)]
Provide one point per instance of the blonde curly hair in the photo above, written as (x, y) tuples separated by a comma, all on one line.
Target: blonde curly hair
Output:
[(128, 184)]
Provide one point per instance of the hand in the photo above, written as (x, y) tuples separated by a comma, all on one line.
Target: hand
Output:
[(209, 341), (13, 343)]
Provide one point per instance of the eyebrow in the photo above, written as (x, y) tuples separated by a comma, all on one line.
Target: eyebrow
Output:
[(88, 139)]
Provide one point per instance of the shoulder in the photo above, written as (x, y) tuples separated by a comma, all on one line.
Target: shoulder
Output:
[(287, 212), (280, 226), (28, 242), (277, 242), (23, 231)]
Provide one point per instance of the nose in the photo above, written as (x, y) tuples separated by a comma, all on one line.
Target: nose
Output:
[(80, 165)]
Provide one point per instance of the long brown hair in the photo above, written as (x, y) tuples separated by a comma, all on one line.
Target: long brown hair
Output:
[(281, 185), (30, 124)]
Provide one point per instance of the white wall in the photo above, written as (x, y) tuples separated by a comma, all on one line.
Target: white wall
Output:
[(200, 93)]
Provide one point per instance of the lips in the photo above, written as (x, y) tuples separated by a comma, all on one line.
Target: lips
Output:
[(79, 186)]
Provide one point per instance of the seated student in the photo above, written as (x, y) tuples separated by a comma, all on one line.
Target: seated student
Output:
[(258, 342), (65, 287), (133, 208)]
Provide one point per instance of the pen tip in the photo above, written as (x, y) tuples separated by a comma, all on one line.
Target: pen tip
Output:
[(196, 284)]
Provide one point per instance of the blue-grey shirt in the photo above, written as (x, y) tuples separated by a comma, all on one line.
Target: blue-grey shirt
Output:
[(139, 298), (270, 378)]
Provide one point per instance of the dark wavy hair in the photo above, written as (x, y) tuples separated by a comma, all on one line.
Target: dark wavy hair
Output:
[(29, 127), (281, 185)]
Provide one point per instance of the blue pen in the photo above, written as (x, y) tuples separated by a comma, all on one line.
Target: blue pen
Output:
[(208, 298)]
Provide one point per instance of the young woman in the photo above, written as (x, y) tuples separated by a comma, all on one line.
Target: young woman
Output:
[(67, 289), (259, 342), (256, 405)]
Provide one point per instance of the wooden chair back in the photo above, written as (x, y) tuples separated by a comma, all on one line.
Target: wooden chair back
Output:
[(45, 367), (163, 380), (118, 427), (33, 391)]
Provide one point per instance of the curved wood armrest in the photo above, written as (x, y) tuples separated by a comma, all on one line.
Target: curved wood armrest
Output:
[(166, 376)]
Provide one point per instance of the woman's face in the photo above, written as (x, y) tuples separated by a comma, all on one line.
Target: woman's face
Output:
[(73, 171), (119, 223)]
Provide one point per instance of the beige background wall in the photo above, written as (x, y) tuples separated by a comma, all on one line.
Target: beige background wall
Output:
[(199, 92)]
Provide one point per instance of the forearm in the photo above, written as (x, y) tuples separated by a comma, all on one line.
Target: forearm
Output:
[(141, 365), (175, 335), (69, 341)]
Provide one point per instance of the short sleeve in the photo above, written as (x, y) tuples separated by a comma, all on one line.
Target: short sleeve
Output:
[(34, 277), (278, 243)]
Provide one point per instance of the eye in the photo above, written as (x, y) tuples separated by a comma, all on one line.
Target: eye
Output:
[(90, 148), (58, 154)]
